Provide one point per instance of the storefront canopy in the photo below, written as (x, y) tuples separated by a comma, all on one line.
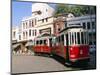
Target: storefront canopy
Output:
[(29, 44), (15, 46)]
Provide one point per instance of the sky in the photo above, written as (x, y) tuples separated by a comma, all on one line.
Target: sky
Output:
[(21, 10)]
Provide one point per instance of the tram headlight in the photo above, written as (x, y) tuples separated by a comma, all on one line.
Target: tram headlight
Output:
[(71, 48), (72, 56)]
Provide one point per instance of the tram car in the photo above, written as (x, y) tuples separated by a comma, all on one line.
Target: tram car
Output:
[(72, 45), (43, 44)]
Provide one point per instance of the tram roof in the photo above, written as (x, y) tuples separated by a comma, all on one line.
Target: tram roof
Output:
[(71, 27), (45, 35)]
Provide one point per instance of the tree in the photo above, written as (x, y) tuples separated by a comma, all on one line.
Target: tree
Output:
[(77, 10)]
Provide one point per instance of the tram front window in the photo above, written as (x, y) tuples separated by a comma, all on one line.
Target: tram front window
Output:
[(78, 37), (40, 42), (82, 37), (37, 42)]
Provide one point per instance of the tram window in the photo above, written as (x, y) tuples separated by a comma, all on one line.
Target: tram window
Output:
[(45, 42), (37, 42), (88, 25), (75, 37), (84, 25), (90, 39), (56, 40), (86, 38), (59, 39), (40, 42), (93, 25), (94, 42), (62, 39), (78, 37), (67, 39), (90, 42), (72, 38), (82, 37)]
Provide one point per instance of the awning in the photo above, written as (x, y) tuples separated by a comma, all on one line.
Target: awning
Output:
[(15, 46), (29, 44)]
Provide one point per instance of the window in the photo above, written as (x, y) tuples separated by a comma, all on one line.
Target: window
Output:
[(46, 19), (46, 10), (19, 37), (78, 37), (23, 25), (93, 25), (72, 38), (35, 21), (84, 25), (59, 39), (29, 23), (94, 38), (26, 24), (42, 20), (82, 37), (45, 43), (85, 37), (14, 34), (58, 29), (88, 25), (37, 42), (67, 39), (62, 39), (65, 24), (32, 23), (75, 37), (26, 34), (40, 42), (33, 32), (23, 35), (29, 32), (90, 38)]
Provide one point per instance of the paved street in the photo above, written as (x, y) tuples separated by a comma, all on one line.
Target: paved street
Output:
[(31, 64), (24, 64)]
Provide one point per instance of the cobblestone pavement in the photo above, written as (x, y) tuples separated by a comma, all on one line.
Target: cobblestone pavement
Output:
[(31, 64)]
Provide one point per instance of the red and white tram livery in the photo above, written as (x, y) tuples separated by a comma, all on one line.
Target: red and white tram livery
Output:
[(72, 44), (43, 44)]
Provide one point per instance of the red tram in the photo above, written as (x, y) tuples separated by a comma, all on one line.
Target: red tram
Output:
[(43, 44), (72, 44)]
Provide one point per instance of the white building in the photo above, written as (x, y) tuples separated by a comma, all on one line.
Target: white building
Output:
[(15, 34), (42, 10), (41, 19)]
